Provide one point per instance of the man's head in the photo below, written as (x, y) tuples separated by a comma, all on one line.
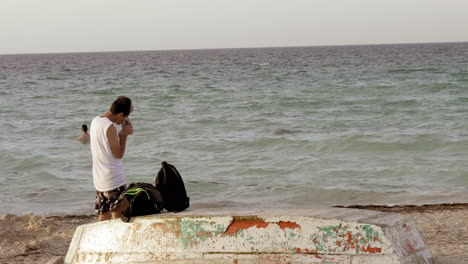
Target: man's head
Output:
[(84, 128), (121, 107)]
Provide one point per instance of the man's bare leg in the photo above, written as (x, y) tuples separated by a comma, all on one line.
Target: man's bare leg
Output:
[(117, 213), (104, 216)]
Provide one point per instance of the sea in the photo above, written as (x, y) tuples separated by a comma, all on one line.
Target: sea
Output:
[(293, 127)]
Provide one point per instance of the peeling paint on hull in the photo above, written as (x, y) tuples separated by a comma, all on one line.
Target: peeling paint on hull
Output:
[(277, 237)]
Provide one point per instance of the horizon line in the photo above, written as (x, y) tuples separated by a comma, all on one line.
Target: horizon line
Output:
[(259, 47)]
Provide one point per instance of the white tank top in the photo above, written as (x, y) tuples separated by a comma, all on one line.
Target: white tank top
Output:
[(108, 171)]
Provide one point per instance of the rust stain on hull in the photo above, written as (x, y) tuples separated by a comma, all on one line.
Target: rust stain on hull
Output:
[(240, 224), (161, 226), (287, 224), (372, 250)]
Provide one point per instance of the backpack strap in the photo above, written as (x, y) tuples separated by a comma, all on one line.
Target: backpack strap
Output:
[(167, 165), (176, 173), (164, 164), (136, 191), (125, 218)]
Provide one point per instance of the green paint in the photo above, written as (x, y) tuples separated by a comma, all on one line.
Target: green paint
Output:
[(251, 240), (344, 237), (195, 231), (330, 231), (370, 234), (370, 231)]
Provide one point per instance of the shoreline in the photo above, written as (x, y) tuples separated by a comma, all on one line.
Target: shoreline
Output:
[(37, 239), (407, 208)]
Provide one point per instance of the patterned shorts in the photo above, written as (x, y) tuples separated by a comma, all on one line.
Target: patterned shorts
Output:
[(108, 201)]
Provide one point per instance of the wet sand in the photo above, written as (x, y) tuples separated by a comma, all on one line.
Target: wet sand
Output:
[(33, 239)]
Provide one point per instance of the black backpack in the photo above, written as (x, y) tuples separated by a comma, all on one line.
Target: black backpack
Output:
[(171, 186), (140, 199)]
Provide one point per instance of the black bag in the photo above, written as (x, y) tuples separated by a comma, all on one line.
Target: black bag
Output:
[(171, 186), (140, 199)]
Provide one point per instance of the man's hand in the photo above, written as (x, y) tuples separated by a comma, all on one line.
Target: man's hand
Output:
[(127, 127)]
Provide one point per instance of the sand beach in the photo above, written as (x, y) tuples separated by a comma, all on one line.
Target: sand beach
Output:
[(34, 239)]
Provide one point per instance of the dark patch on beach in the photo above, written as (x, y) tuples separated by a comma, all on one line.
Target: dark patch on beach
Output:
[(72, 217), (410, 208)]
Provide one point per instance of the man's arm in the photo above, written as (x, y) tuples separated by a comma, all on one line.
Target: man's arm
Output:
[(117, 146)]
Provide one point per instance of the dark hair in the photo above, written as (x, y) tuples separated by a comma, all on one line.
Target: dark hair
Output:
[(85, 128), (122, 104)]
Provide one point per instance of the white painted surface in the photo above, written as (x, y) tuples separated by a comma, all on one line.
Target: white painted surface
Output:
[(295, 236)]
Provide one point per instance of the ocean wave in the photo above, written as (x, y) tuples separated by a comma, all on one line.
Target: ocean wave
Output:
[(393, 143), (99, 91), (413, 70), (28, 164), (278, 196), (53, 78)]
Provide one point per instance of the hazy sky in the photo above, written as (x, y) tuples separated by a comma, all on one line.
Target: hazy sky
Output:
[(42, 26)]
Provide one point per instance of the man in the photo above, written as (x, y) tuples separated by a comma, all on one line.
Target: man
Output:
[(84, 138), (108, 149)]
